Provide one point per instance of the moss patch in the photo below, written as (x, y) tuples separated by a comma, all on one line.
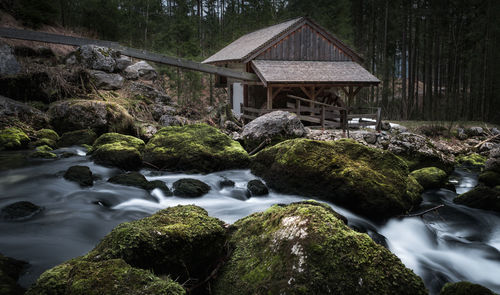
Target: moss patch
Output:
[(13, 139), (109, 277), (118, 150), (305, 248), (78, 137), (195, 148), (43, 155), (365, 180), (490, 178), (182, 241), (47, 133), (430, 177), (465, 288), (472, 160)]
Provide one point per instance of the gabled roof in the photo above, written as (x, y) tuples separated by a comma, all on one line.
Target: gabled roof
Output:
[(248, 46), (330, 72)]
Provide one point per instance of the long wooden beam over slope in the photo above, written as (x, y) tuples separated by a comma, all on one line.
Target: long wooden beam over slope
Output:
[(132, 52)]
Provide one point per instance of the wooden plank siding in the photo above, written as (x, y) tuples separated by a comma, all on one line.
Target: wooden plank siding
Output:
[(305, 43)]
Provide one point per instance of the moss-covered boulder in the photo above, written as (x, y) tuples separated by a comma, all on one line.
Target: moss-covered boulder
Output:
[(100, 116), (43, 154), (10, 270), (138, 180), (190, 188), (13, 139), (481, 197), (47, 133), (182, 241), (366, 180), (306, 248), (195, 148), (122, 151), (78, 137), (45, 142), (471, 160), (490, 178), (464, 288), (80, 174), (109, 277), (430, 177)]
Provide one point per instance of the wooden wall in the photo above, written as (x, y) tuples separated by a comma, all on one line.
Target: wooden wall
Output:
[(304, 44)]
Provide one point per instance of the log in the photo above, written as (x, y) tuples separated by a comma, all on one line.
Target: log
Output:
[(485, 141), (423, 212)]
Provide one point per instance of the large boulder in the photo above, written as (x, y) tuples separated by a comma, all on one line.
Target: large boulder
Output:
[(13, 139), (182, 242), (471, 160), (194, 148), (122, 151), (8, 62), (430, 177), (96, 57), (366, 180), (464, 288), (306, 248), (107, 81), (159, 103), (108, 277), (77, 137), (493, 161), (481, 197), (10, 270), (11, 110), (140, 69), (190, 188), (419, 152), (100, 116), (275, 126)]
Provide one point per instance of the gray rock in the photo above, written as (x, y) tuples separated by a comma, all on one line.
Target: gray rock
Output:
[(257, 188), (370, 138), (97, 57), (225, 182), (123, 62), (475, 131), (386, 126), (493, 162), (23, 112), (231, 126), (276, 126), (79, 174), (140, 69), (107, 81), (396, 128), (168, 120), (461, 134), (20, 211), (8, 62), (494, 131), (191, 188)]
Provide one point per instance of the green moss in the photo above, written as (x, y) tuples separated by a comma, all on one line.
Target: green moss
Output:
[(464, 288), (43, 155), (305, 248), (81, 277), (13, 139), (118, 150), (474, 160), (47, 133), (183, 242), (490, 178), (78, 137), (368, 181), (44, 148), (195, 148), (45, 141), (430, 177), (481, 197)]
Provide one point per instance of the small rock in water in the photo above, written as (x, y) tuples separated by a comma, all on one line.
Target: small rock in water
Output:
[(189, 187), (20, 211), (80, 174), (161, 186), (241, 194), (257, 188), (225, 182)]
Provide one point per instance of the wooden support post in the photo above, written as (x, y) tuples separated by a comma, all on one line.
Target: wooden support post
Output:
[(323, 117), (379, 120), (297, 106), (269, 97)]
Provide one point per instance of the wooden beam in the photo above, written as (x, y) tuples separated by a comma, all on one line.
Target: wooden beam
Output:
[(137, 53), (269, 97)]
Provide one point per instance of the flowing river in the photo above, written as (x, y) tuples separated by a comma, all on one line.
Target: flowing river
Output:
[(457, 243)]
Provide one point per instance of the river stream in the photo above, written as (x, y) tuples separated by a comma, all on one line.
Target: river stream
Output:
[(457, 243)]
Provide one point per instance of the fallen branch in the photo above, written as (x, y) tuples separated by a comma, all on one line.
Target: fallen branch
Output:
[(485, 141), (151, 165), (261, 146), (423, 212)]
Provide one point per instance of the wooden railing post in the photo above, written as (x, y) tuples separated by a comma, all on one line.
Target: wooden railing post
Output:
[(323, 117), (379, 120)]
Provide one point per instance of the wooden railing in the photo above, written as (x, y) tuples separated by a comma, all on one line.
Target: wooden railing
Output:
[(324, 115)]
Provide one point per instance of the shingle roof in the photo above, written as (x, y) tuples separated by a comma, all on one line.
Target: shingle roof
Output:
[(277, 71), (249, 43)]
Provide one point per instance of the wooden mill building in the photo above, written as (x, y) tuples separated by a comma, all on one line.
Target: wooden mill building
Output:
[(301, 67)]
